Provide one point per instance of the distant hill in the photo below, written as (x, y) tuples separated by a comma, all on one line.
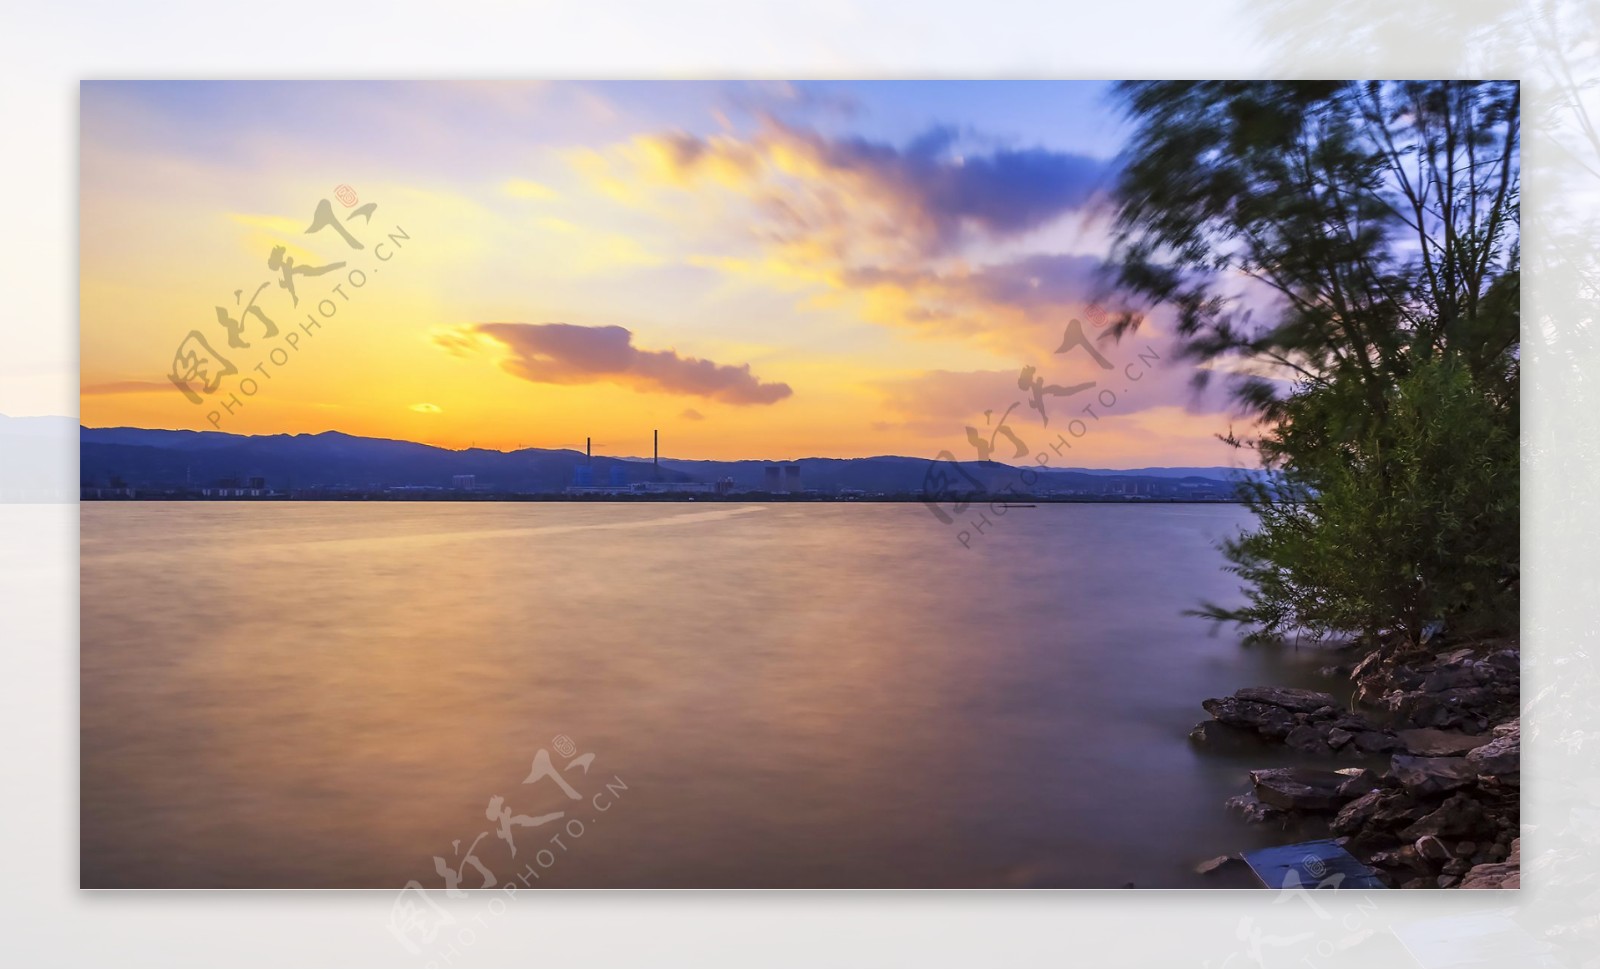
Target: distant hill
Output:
[(153, 459)]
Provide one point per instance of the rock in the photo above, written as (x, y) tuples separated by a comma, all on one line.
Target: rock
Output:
[(1267, 720), (1493, 875), (1456, 867), (1432, 776), (1432, 849), (1358, 813), (1306, 737), (1299, 789), (1506, 661), (1358, 782), (1290, 698), (1418, 884), (1376, 742), (1404, 857), (1466, 849), (1446, 881), (1513, 726), (1339, 737), (1252, 809), (1449, 677), (1500, 758), (1459, 815), (1378, 811), (1212, 865), (1434, 743), (1397, 809), (1497, 875)]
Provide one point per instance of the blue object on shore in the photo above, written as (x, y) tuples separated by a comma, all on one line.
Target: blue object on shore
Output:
[(1310, 865)]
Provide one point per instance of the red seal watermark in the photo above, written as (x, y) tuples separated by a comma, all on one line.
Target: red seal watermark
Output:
[(346, 196)]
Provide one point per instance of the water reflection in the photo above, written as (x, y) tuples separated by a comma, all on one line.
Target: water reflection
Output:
[(833, 695)]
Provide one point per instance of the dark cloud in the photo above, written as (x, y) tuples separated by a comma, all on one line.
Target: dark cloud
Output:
[(564, 353), (925, 194), (1004, 192)]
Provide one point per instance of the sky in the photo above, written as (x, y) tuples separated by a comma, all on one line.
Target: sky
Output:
[(764, 270)]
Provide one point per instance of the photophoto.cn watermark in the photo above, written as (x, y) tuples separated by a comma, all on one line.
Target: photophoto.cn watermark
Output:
[(523, 849), (947, 483), (256, 344)]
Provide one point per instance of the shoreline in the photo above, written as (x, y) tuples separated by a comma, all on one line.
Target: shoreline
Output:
[(1444, 727)]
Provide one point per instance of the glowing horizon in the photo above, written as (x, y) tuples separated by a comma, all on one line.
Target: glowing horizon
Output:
[(759, 270)]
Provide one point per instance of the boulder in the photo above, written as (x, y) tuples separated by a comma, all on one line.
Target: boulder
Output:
[(1212, 865), (1338, 737), (1376, 742), (1267, 720), (1358, 813), (1434, 743), (1432, 776), (1290, 698), (1497, 875), (1404, 857), (1306, 737), (1500, 758), (1450, 676), (1358, 781), (1300, 789), (1431, 849), (1459, 815), (1251, 808), (1380, 810), (1505, 661)]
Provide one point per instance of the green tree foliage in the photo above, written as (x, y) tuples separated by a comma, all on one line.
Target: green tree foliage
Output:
[(1351, 251)]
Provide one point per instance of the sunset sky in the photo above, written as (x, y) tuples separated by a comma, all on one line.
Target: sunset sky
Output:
[(760, 270)]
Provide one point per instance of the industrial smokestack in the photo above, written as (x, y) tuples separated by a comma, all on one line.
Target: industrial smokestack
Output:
[(657, 434), (587, 442)]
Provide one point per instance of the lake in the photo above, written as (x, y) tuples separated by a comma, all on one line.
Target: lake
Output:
[(782, 695)]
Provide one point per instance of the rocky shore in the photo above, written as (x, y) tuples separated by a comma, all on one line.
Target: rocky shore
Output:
[(1431, 741)]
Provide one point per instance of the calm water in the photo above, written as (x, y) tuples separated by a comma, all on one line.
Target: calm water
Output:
[(302, 694)]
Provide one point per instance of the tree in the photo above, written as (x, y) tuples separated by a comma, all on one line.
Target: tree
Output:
[(1351, 250)]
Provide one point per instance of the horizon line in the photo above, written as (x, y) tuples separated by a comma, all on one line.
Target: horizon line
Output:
[(499, 451)]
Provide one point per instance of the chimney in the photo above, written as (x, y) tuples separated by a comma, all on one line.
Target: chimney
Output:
[(587, 442), (658, 448)]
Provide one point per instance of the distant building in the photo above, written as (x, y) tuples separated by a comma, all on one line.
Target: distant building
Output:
[(774, 478), (653, 488), (234, 488), (791, 478), (583, 476), (667, 488), (464, 482), (619, 476)]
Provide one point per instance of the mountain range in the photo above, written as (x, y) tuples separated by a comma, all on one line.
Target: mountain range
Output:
[(157, 459)]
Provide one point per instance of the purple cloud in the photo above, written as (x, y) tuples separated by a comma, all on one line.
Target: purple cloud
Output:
[(564, 353)]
